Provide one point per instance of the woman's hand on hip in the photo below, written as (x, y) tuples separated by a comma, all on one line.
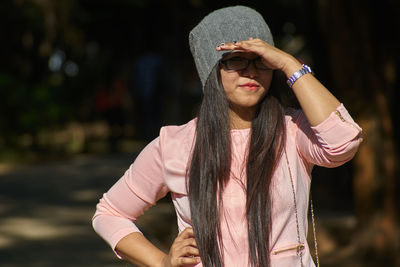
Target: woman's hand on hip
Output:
[(271, 56), (183, 251)]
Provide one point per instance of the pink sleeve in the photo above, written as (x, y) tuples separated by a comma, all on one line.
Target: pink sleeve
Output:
[(139, 188), (330, 143)]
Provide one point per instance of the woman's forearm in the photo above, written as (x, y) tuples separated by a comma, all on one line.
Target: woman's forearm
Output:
[(315, 100), (136, 249)]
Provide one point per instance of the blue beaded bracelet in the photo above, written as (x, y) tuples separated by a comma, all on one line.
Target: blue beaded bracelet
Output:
[(304, 70)]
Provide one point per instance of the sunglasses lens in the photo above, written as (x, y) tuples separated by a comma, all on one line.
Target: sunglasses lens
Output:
[(236, 63)]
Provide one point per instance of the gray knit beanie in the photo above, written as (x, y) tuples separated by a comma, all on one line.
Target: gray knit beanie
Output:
[(224, 25)]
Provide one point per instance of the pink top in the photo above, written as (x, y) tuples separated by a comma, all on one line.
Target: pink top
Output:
[(160, 168)]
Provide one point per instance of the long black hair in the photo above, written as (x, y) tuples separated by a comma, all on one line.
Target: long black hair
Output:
[(210, 166)]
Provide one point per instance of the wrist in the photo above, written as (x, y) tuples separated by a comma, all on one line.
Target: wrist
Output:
[(291, 66), (163, 262), (298, 74)]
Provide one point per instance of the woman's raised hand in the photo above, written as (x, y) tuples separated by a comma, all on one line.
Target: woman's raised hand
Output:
[(183, 251), (271, 56)]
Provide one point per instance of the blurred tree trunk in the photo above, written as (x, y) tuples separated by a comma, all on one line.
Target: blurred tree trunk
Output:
[(363, 76)]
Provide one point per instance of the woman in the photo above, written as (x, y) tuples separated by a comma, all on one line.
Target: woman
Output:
[(238, 174)]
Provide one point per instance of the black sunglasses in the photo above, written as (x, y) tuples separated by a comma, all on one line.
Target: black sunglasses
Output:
[(240, 63)]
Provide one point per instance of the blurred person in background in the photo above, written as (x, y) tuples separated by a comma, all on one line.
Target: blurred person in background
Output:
[(239, 174), (146, 87), (110, 104)]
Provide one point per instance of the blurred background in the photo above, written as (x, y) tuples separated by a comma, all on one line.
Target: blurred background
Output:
[(85, 85)]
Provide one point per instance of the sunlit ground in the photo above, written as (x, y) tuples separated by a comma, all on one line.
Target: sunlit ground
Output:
[(46, 210)]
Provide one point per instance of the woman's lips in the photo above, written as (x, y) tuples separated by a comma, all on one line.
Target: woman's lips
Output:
[(250, 86)]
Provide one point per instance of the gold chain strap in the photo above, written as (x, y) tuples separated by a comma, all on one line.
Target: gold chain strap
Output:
[(299, 253), (314, 232), (297, 218)]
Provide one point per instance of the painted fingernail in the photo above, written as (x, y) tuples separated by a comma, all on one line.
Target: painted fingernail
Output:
[(222, 44), (235, 42)]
